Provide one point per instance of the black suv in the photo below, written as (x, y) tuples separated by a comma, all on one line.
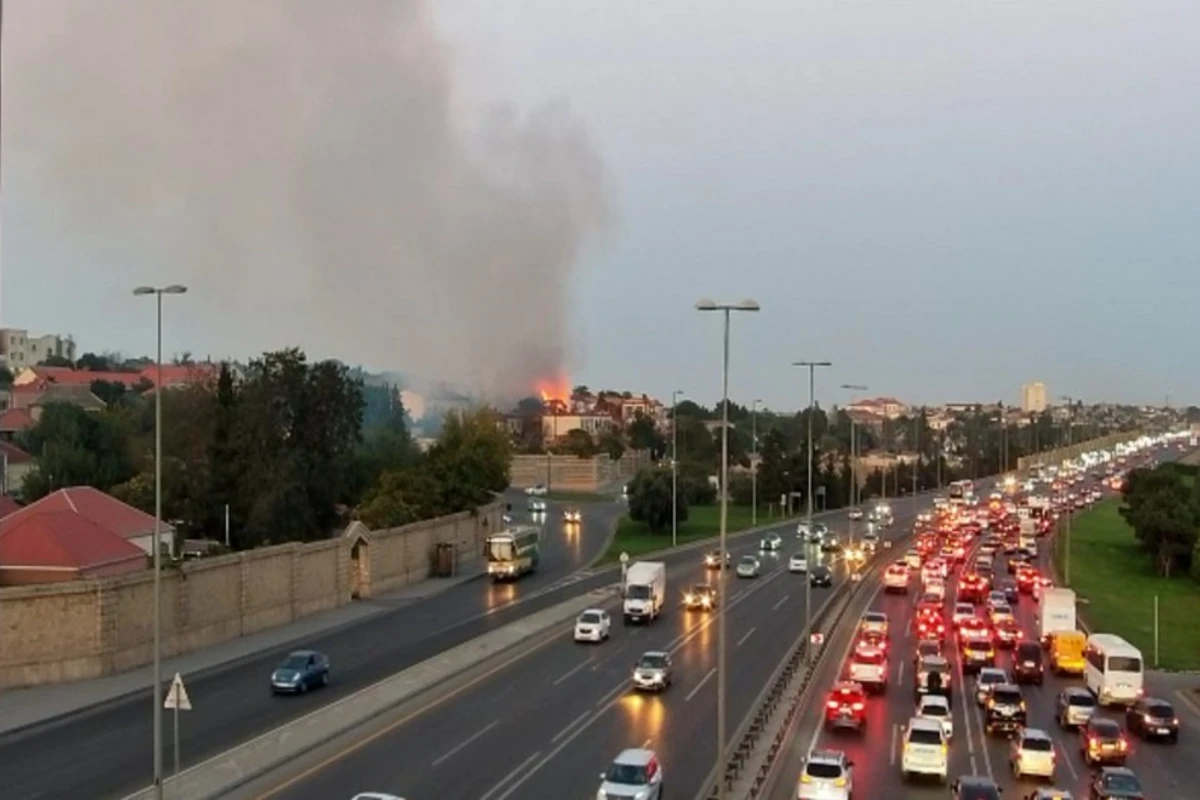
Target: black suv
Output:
[(1152, 718), (1027, 664), (1005, 709), (820, 576)]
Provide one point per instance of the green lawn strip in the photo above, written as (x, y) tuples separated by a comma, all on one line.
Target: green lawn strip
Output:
[(704, 522), (1116, 576), (579, 497)]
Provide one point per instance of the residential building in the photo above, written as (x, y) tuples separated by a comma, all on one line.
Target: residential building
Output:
[(555, 426), (35, 397), (883, 407), (16, 465), (60, 545), (104, 511), (19, 350), (1033, 398)]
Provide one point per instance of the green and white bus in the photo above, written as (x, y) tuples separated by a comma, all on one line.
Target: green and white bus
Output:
[(513, 552)]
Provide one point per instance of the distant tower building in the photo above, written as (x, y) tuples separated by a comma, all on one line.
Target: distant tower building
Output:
[(1033, 398)]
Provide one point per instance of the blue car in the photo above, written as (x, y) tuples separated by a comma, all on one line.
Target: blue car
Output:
[(299, 672)]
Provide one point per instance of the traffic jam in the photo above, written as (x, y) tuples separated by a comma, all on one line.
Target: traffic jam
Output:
[(970, 673)]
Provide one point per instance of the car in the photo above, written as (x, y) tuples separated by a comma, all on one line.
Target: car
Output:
[(870, 542), (652, 672), (592, 625), (924, 750), (927, 667), (818, 533), (537, 490), (1101, 741), (1027, 578), (749, 567), (987, 678), (1027, 663), (798, 564), (927, 648), (770, 543), (803, 530), (1008, 633), (874, 621), (930, 626), (1074, 706), (975, 787), (636, 772), (820, 576), (1116, 783), (827, 775), (572, 516), (936, 706), (830, 544), (376, 796), (869, 667), (1153, 718), (712, 559), (1049, 793), (1005, 709), (871, 640), (300, 671), (977, 654), (913, 559), (855, 514), (895, 578), (996, 598), (962, 613), (537, 506), (846, 706), (701, 597), (936, 588), (1032, 753), (972, 588), (1011, 591), (1001, 611)]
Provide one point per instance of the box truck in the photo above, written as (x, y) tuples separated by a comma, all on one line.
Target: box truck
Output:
[(1056, 611), (645, 591)]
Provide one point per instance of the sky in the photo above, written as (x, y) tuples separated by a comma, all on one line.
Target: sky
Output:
[(945, 199)]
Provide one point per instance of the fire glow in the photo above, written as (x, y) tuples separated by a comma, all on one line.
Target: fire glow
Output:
[(553, 390)]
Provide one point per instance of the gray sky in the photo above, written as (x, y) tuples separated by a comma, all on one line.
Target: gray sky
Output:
[(947, 199)]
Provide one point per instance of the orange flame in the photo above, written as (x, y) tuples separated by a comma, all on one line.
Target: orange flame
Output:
[(554, 390)]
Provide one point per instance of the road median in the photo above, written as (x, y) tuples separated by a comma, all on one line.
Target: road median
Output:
[(218, 776)]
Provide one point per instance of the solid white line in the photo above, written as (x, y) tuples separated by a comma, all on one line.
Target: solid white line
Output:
[(700, 685), (895, 739), (780, 603), (520, 767), (900, 672), (646, 744), (463, 744), (574, 670), (742, 640), (570, 725), (608, 698), (1066, 756)]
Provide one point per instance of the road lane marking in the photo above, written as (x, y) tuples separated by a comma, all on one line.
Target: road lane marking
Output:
[(900, 672), (700, 685), (1189, 702), (895, 741), (463, 744), (646, 744), (569, 726), (777, 606), (573, 670), (749, 633), (490, 792), (608, 698), (1066, 753)]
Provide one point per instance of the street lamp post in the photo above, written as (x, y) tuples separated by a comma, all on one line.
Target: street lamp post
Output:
[(754, 462), (808, 510), (854, 488), (158, 293), (1070, 509), (675, 467), (916, 456), (725, 309)]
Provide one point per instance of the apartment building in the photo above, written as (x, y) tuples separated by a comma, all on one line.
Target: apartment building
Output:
[(19, 350), (1033, 397)]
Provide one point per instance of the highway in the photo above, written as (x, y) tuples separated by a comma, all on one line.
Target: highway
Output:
[(1162, 768), (548, 724), (105, 751)]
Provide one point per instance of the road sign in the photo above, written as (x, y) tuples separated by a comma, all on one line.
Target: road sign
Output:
[(817, 638), (624, 558), (177, 696)]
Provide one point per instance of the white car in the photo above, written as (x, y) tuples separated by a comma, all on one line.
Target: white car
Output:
[(855, 514), (1032, 753), (636, 772), (538, 490), (936, 588), (827, 775), (770, 543), (936, 706), (798, 564), (895, 579), (802, 530), (572, 516), (924, 749), (593, 625), (537, 506), (748, 567), (962, 613), (869, 667), (988, 677)]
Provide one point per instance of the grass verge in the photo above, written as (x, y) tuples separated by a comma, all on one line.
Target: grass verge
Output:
[(703, 522), (1116, 576), (579, 497)]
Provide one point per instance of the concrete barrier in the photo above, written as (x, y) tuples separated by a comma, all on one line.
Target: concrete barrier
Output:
[(221, 774)]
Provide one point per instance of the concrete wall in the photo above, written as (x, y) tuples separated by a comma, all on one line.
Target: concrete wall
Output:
[(1076, 450), (574, 474), (85, 629)]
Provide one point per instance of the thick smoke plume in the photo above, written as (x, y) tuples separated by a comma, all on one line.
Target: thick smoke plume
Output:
[(307, 168)]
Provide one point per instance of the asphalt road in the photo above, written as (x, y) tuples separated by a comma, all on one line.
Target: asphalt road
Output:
[(547, 725), (1163, 768), (106, 751)]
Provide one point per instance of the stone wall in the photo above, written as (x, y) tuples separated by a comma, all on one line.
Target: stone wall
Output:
[(573, 474), (84, 629)]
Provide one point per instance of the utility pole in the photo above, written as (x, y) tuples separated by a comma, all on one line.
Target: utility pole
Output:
[(808, 513), (916, 456), (854, 487), (754, 463), (1070, 508), (675, 467)]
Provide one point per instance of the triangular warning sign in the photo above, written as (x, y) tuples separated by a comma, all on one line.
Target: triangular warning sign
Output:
[(177, 696)]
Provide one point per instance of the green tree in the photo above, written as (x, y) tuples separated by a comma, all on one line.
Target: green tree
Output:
[(76, 448), (6, 378), (56, 361), (774, 468), (401, 497), (1161, 508), (96, 363), (610, 442), (470, 460), (578, 442), (109, 392), (650, 499), (644, 436)]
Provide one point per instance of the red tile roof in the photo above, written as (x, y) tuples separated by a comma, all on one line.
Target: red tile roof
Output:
[(62, 539), (104, 510), (15, 419), (66, 375), (8, 506), (180, 374), (14, 454)]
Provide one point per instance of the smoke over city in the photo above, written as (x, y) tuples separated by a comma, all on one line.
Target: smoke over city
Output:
[(310, 170)]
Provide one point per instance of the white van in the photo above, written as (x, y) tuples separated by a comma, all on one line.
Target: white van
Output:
[(925, 750), (1113, 669)]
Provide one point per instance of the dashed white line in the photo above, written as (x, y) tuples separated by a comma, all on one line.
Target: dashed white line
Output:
[(573, 670), (748, 634), (570, 725), (778, 605), (700, 685), (490, 793), (900, 672), (895, 741), (463, 744)]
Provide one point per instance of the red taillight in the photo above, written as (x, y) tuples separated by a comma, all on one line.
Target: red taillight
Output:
[(832, 705)]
